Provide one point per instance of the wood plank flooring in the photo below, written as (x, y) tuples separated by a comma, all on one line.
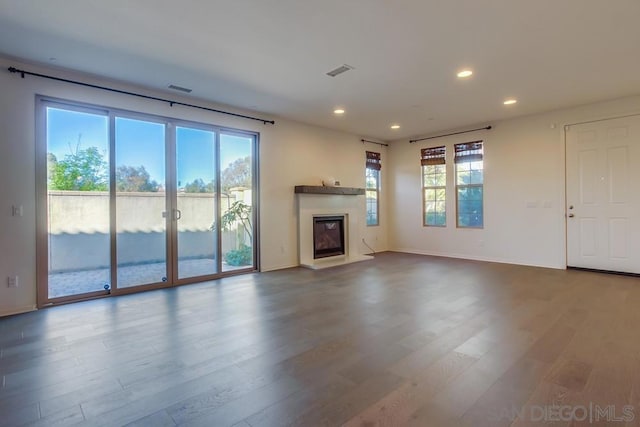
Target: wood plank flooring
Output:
[(400, 340)]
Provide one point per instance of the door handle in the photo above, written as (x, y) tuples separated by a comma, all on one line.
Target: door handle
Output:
[(571, 215), (178, 214)]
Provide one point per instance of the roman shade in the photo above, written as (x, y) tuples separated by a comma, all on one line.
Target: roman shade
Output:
[(433, 156), (468, 152), (373, 161)]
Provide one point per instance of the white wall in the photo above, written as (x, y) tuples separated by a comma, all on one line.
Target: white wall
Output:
[(299, 154), (290, 154), (524, 188)]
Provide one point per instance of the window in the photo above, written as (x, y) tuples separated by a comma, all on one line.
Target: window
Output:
[(372, 187), (434, 186), (469, 184)]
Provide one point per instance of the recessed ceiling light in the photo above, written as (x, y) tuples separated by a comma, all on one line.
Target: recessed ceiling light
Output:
[(465, 73), (341, 69), (510, 101), (338, 111), (395, 127), (180, 88)]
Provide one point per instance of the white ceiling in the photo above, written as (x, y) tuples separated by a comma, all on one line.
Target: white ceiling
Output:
[(271, 56)]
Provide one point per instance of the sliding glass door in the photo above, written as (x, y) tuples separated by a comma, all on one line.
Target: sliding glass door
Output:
[(133, 201), (141, 202), (196, 208), (236, 191), (74, 202)]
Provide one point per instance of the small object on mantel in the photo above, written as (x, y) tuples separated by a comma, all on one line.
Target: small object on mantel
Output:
[(316, 189), (328, 181)]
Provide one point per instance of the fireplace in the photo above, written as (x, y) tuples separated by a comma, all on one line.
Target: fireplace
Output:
[(338, 214), (328, 236)]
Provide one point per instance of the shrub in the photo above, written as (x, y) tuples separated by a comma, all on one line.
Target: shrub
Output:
[(241, 256)]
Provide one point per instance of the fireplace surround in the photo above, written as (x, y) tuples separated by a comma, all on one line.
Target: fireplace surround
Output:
[(331, 202)]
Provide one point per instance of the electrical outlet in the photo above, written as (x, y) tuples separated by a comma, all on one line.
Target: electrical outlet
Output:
[(12, 281)]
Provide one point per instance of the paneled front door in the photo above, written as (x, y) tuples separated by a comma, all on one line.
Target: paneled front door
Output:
[(603, 201)]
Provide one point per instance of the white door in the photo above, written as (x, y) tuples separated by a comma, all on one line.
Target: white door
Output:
[(603, 195)]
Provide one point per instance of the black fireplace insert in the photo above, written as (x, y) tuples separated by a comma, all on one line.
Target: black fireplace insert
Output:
[(328, 236)]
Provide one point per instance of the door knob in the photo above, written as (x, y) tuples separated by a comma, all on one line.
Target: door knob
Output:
[(571, 215)]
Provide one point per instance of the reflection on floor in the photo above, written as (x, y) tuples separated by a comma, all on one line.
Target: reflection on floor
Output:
[(80, 282)]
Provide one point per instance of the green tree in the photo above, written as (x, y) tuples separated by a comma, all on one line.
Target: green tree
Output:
[(135, 179), (199, 186), (237, 174), (240, 212), (52, 162), (84, 170)]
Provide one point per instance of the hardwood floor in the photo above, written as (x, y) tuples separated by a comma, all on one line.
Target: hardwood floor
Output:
[(400, 340)]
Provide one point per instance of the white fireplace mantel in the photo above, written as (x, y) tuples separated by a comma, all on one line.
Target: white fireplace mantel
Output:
[(351, 205)]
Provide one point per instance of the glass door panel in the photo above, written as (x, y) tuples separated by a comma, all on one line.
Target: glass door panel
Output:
[(77, 207), (236, 199), (141, 206), (197, 243)]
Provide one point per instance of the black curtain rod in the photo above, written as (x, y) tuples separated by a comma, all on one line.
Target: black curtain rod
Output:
[(374, 142), (139, 95), (411, 141)]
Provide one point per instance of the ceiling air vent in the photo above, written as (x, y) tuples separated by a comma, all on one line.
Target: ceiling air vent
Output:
[(341, 69), (180, 88)]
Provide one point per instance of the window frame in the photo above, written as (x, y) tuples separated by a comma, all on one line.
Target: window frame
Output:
[(170, 122), (433, 156), (468, 153), (373, 165)]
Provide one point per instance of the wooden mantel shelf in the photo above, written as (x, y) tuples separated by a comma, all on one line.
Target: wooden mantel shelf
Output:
[(319, 189)]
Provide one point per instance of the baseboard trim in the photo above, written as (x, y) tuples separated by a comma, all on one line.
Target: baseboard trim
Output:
[(477, 258), (17, 310), (282, 267)]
